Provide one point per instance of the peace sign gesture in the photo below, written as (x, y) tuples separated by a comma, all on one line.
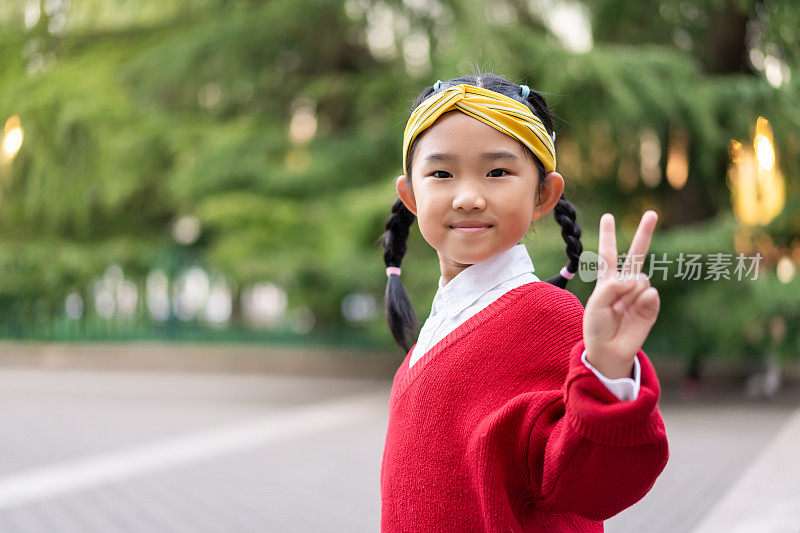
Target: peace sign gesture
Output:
[(623, 306)]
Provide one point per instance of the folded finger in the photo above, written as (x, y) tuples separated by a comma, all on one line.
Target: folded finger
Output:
[(612, 289), (642, 284)]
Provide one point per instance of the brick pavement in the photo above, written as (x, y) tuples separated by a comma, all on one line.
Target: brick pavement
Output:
[(323, 479)]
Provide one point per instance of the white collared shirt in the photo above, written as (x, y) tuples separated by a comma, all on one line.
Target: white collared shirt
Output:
[(479, 285)]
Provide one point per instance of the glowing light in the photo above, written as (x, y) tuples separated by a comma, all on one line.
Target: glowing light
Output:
[(416, 53), (358, 307), (220, 303), (157, 295), (73, 306), (127, 297), (756, 57), (650, 157), (570, 22), (33, 13), (735, 150), (381, 32), (114, 276), (104, 302), (186, 230), (303, 124), (190, 293), (776, 71), (12, 138), (264, 304), (764, 152), (677, 158), (785, 270), (210, 95), (758, 191)]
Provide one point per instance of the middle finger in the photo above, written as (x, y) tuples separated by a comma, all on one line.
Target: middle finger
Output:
[(640, 244)]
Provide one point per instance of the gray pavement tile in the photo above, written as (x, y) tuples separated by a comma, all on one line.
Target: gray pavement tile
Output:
[(320, 481)]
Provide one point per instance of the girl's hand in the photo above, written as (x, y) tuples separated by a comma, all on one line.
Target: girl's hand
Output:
[(621, 309)]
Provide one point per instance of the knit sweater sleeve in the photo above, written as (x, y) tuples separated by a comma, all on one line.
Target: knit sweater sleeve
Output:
[(587, 452)]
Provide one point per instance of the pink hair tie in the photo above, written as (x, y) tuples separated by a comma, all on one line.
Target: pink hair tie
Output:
[(392, 270), (566, 273)]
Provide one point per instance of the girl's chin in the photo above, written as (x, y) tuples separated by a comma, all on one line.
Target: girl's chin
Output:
[(462, 258)]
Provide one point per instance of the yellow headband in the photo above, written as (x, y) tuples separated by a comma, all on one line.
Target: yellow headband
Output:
[(497, 110)]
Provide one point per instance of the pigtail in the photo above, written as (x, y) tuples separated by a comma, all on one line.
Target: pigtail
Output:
[(564, 212), (399, 311), (566, 216)]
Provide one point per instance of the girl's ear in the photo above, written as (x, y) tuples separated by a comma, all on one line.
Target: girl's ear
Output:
[(549, 194), (406, 193)]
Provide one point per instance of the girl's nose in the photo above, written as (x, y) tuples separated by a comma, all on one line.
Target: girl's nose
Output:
[(469, 197)]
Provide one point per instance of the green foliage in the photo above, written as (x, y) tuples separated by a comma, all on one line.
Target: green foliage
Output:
[(138, 113)]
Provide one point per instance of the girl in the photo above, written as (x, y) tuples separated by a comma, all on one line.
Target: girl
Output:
[(516, 410)]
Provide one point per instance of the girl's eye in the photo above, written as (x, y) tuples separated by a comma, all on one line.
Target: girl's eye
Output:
[(497, 170), (492, 173)]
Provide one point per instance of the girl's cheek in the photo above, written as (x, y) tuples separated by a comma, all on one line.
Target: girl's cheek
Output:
[(431, 236), (432, 205)]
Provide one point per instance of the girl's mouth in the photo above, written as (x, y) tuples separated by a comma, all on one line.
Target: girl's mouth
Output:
[(471, 227)]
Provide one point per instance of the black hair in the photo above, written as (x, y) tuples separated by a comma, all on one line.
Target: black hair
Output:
[(399, 311)]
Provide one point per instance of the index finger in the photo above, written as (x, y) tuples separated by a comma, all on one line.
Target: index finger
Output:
[(641, 243), (607, 247)]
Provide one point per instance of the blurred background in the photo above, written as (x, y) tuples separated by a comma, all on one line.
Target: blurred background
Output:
[(191, 196)]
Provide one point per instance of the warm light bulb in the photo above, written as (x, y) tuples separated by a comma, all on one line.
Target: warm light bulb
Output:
[(785, 270), (764, 152), (758, 191), (12, 140)]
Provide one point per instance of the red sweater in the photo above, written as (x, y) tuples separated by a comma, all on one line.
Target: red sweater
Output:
[(500, 427)]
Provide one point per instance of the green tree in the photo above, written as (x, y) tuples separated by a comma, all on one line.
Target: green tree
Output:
[(279, 125)]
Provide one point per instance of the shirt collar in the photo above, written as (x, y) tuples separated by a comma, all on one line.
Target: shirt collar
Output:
[(478, 279)]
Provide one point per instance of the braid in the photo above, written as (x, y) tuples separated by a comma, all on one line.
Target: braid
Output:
[(399, 311), (565, 214)]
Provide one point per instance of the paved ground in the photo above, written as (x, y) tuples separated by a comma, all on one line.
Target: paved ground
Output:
[(104, 451), (712, 443)]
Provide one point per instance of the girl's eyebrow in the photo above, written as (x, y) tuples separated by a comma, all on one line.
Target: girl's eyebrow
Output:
[(489, 156)]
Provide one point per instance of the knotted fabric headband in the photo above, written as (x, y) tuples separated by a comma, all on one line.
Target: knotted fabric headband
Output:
[(497, 110)]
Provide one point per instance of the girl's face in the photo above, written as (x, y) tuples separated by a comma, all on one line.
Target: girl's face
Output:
[(474, 191)]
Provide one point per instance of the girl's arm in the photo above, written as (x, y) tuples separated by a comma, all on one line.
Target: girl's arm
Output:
[(589, 453), (566, 444)]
